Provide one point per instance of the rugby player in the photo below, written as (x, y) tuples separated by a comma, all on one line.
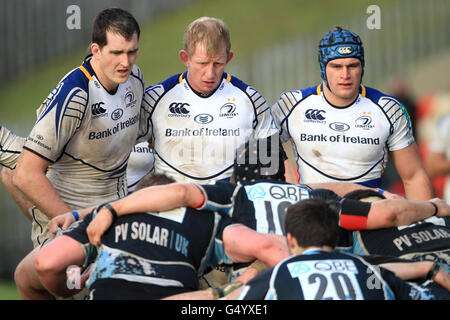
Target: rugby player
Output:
[(315, 271), (200, 117), (342, 130), (76, 154)]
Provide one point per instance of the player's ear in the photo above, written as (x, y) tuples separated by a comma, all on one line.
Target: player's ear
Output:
[(184, 57), (230, 55), (95, 49), (291, 241)]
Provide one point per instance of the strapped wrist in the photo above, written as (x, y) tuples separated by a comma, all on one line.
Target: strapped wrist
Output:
[(433, 271), (436, 209), (111, 210), (76, 215)]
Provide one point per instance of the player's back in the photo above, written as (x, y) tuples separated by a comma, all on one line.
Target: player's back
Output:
[(169, 248), (260, 205), (425, 240), (323, 275)]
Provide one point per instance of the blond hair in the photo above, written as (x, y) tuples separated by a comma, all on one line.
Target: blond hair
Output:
[(212, 32)]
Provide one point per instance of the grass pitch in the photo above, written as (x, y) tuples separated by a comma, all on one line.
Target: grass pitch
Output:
[(8, 291)]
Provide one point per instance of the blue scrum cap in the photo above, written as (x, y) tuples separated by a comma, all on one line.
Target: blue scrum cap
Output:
[(339, 43)]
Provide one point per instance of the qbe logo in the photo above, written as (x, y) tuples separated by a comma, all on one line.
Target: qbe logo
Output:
[(315, 115), (178, 109)]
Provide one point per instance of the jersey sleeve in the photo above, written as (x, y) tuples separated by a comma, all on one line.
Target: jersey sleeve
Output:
[(59, 116), (354, 214), (281, 110), (152, 95), (10, 147), (218, 197), (264, 124), (401, 132), (77, 231)]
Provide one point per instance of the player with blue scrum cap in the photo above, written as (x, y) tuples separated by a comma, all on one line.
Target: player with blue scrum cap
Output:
[(342, 130)]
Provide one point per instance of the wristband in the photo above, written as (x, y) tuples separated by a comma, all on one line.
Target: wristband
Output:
[(433, 271), (111, 209), (75, 214), (435, 208)]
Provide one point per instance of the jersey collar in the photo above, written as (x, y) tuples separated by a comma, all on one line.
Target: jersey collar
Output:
[(362, 93), (88, 71)]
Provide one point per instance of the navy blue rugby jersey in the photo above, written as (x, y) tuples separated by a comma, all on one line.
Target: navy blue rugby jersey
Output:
[(165, 248), (323, 275), (426, 240)]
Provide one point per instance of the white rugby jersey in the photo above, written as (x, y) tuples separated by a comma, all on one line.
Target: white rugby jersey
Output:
[(342, 144), (10, 147), (195, 137), (441, 144), (140, 164), (87, 134)]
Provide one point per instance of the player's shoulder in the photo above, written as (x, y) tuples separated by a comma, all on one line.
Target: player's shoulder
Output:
[(378, 97), (78, 77), (239, 84), (390, 105), (235, 81), (162, 87), (172, 81), (74, 86), (294, 97)]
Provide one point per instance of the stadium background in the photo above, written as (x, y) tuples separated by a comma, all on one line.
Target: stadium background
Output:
[(275, 46)]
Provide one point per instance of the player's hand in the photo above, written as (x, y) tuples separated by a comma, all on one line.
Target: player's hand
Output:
[(99, 225), (62, 221), (443, 207)]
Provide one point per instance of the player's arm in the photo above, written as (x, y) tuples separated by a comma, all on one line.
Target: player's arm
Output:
[(399, 212), (153, 199), (358, 215), (52, 261), (243, 244), (70, 249), (409, 166), (19, 198), (421, 269), (29, 177)]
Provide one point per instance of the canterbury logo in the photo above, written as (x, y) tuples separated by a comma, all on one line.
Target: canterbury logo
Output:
[(345, 50), (97, 108), (314, 114), (178, 108)]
